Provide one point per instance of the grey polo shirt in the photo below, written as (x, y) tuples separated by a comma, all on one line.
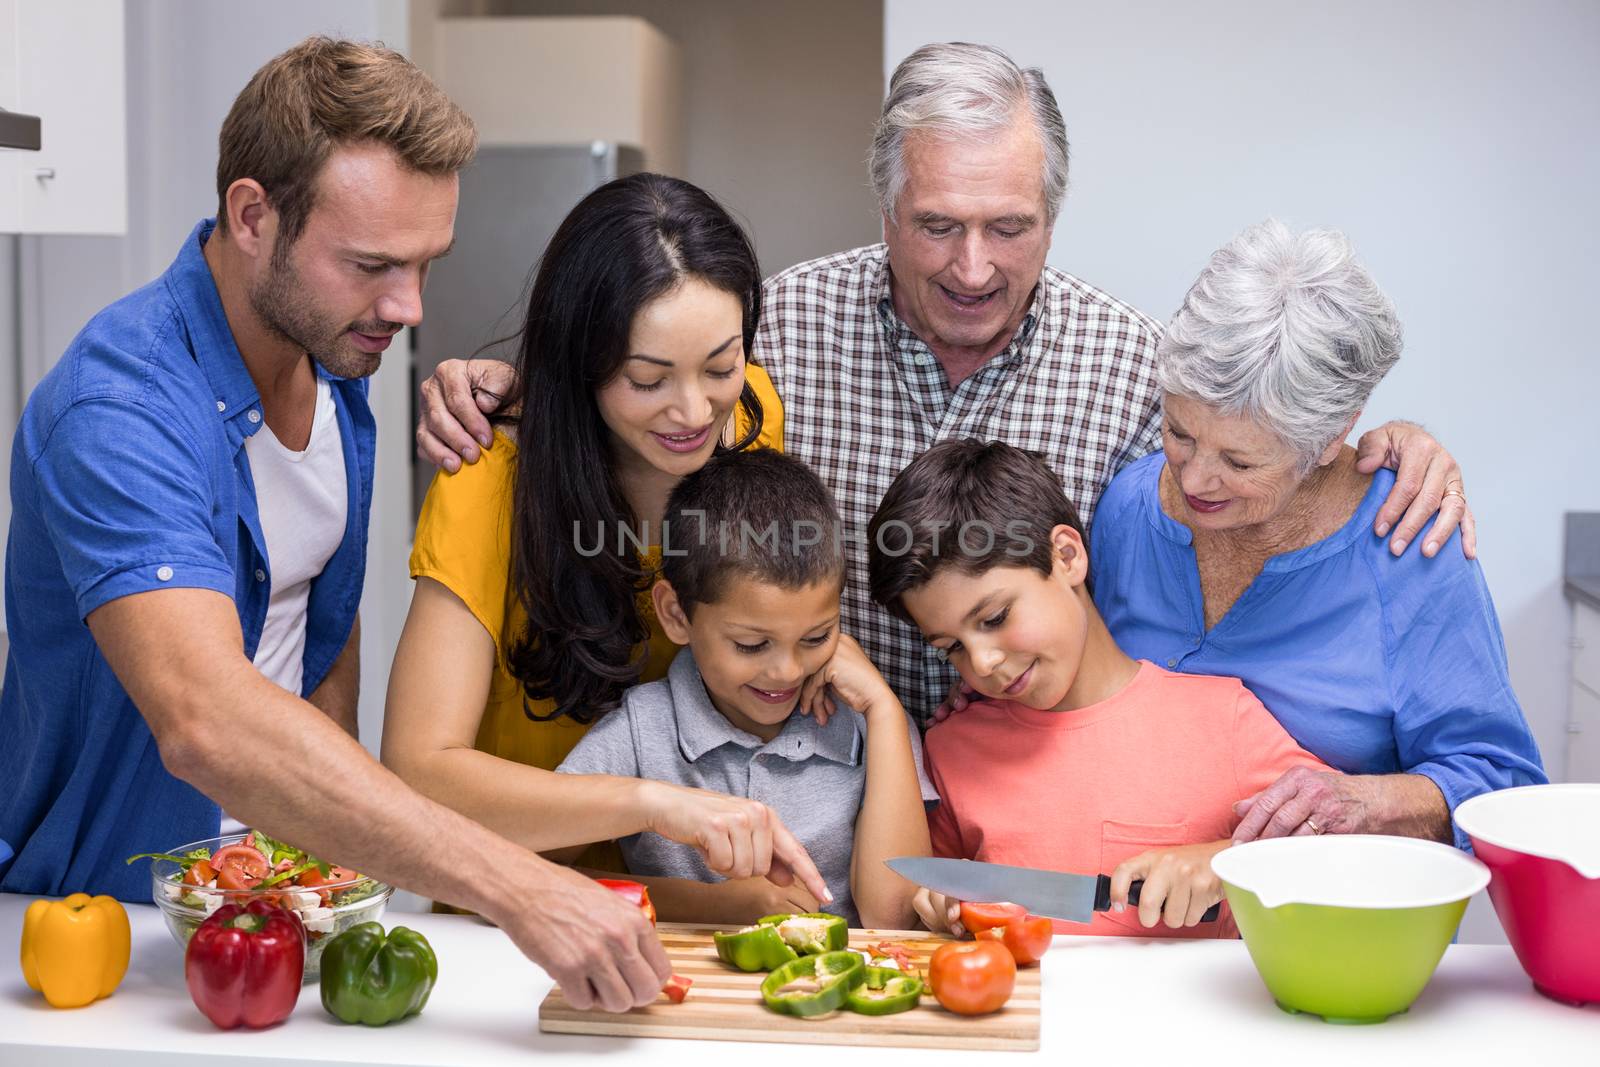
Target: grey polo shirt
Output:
[(813, 776)]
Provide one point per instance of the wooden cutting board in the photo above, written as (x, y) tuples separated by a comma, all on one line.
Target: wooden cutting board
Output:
[(725, 1005)]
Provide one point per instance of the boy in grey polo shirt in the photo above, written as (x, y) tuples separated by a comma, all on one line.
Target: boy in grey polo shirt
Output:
[(769, 701)]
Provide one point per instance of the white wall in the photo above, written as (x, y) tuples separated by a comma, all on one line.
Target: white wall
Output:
[(186, 61), (1457, 143)]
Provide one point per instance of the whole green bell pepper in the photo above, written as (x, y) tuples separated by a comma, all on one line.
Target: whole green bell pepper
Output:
[(885, 991), (810, 933), (755, 948), (374, 979), (813, 985)]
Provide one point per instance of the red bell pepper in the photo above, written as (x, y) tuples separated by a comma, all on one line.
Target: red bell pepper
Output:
[(244, 964), (633, 893), (677, 988)]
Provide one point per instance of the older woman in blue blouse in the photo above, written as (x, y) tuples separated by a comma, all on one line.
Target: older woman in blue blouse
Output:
[(1244, 548)]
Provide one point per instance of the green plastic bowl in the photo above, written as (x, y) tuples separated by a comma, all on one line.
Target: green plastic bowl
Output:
[(1347, 927)]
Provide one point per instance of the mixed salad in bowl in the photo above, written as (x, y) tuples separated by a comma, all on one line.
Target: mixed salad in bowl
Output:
[(194, 880)]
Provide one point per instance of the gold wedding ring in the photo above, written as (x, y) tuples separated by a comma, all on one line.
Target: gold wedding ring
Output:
[(1315, 829)]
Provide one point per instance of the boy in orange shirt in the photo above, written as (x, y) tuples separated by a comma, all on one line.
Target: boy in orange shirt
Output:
[(1074, 757)]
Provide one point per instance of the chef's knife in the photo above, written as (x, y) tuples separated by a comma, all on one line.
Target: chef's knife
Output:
[(1073, 897)]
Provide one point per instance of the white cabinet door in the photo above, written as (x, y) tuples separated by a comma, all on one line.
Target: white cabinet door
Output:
[(1586, 645), (64, 62)]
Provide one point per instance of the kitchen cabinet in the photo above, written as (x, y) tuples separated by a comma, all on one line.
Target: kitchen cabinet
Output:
[(64, 62), (1583, 735), (1583, 718)]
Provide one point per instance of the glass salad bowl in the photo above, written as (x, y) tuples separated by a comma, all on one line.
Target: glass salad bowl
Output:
[(328, 898)]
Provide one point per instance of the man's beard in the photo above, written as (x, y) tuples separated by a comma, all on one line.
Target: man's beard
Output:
[(282, 303)]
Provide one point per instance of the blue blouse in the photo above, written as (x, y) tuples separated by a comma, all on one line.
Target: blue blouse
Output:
[(1373, 663)]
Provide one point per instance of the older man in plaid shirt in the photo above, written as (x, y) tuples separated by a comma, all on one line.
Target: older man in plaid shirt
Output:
[(955, 327)]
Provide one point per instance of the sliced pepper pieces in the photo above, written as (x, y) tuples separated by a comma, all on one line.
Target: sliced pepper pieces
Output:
[(813, 985), (376, 979), (635, 893), (755, 948), (810, 933), (885, 991), (74, 951)]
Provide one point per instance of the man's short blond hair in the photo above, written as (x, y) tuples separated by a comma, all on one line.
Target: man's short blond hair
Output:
[(321, 94)]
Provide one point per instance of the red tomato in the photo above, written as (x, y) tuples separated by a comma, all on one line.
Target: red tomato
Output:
[(677, 988), (972, 977), (1027, 938), (249, 861), (234, 877), (312, 879), (976, 917)]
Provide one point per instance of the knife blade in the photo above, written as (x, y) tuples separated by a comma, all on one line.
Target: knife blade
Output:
[(1058, 895)]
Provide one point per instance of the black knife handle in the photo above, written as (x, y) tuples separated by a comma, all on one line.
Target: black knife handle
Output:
[(1102, 898)]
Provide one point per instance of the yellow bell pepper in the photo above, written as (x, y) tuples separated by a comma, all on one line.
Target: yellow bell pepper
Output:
[(74, 951)]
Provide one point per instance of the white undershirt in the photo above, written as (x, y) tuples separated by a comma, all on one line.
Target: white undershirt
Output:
[(301, 498), (302, 501)]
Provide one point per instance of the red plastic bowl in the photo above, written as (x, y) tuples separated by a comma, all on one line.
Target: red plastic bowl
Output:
[(1542, 846)]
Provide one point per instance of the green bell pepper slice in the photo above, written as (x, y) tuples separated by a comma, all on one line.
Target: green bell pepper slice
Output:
[(885, 991), (813, 985), (810, 933), (374, 979), (755, 948)]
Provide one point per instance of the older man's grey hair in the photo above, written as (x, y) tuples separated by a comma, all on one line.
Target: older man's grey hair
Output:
[(960, 90), (1286, 329)]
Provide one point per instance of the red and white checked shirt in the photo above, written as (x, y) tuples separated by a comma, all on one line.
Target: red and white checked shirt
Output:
[(863, 396)]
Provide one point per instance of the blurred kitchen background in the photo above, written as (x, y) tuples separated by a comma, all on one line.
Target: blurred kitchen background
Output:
[(1455, 142)]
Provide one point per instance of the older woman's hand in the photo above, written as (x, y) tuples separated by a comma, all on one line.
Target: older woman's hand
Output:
[(1303, 801), (1427, 479)]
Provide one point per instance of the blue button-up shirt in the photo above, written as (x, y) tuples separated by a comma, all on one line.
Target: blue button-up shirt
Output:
[(1375, 664), (129, 473)]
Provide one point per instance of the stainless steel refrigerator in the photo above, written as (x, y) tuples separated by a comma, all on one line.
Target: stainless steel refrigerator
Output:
[(512, 200)]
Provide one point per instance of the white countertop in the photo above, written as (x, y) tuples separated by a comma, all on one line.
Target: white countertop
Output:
[(1106, 1001)]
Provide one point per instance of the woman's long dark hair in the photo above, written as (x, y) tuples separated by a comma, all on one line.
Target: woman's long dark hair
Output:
[(626, 243)]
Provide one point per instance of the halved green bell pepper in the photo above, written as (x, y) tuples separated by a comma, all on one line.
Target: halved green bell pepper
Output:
[(374, 979), (813, 985), (885, 991), (810, 933), (755, 948)]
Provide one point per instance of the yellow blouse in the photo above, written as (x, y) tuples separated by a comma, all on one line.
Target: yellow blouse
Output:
[(463, 542)]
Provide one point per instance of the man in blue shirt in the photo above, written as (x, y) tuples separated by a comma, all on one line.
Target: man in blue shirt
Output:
[(190, 489)]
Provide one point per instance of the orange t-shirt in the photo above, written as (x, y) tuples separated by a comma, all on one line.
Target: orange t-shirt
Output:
[(1159, 764)]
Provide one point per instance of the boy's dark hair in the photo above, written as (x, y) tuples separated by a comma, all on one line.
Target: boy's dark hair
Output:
[(968, 505), (756, 513)]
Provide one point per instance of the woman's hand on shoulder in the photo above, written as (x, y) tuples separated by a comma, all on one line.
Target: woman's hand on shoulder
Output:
[(1427, 480), (456, 400), (959, 699)]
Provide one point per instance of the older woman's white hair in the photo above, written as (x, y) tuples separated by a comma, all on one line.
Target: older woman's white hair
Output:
[(964, 90), (1286, 329)]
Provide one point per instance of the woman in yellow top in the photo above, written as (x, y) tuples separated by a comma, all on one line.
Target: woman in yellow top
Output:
[(532, 609)]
